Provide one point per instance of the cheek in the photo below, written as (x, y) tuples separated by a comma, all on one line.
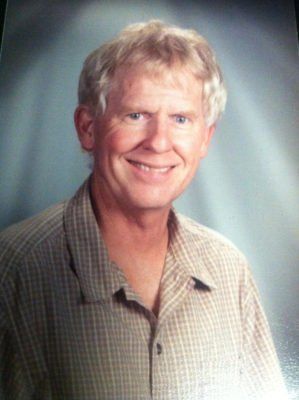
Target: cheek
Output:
[(109, 144), (189, 148), (123, 142)]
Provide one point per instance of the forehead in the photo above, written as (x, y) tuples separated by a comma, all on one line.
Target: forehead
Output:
[(140, 80)]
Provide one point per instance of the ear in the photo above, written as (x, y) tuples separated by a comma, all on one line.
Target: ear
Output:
[(206, 140), (84, 123)]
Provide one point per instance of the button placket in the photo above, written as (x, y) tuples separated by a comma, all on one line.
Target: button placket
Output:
[(158, 348), (157, 367)]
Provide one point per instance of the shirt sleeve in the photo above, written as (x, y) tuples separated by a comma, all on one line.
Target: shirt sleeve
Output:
[(261, 375)]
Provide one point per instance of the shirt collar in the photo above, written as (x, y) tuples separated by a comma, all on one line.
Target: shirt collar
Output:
[(188, 244), (99, 278)]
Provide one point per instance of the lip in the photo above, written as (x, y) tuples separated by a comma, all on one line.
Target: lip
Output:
[(150, 166), (151, 171)]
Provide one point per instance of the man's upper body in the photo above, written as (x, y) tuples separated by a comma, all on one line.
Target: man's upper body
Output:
[(72, 327), (112, 295)]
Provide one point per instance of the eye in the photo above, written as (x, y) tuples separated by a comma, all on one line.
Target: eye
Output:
[(135, 116), (180, 119)]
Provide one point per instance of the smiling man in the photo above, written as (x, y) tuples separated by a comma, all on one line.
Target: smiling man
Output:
[(112, 294)]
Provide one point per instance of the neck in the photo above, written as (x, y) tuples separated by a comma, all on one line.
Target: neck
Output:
[(147, 228), (137, 241)]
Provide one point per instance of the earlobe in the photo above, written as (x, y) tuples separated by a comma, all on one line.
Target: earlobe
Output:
[(206, 141), (84, 123)]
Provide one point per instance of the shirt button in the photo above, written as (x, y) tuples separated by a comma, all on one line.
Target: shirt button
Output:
[(159, 349)]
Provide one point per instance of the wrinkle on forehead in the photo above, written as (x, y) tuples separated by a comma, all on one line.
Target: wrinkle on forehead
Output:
[(127, 79), (174, 76)]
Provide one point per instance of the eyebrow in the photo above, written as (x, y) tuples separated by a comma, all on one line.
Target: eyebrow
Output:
[(187, 113), (140, 107)]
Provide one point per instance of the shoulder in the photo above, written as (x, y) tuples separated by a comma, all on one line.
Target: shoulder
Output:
[(21, 239), (212, 251), (206, 237)]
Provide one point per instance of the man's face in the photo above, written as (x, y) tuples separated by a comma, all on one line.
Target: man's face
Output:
[(149, 141)]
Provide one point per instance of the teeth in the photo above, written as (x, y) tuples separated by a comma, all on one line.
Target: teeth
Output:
[(146, 168), (143, 167)]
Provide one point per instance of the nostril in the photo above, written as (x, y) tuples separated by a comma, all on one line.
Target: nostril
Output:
[(158, 141)]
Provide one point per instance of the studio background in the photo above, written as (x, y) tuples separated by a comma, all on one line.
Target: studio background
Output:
[(248, 186)]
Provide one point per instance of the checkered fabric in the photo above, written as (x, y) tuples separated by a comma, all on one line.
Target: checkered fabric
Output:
[(72, 328)]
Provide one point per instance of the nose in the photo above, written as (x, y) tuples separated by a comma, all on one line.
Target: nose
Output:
[(158, 136)]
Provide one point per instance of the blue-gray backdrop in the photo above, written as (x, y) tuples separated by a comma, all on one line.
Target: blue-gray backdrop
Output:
[(247, 188)]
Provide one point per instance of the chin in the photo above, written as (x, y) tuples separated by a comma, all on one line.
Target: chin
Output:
[(156, 202)]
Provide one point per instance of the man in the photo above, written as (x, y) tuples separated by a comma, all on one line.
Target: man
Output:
[(113, 295)]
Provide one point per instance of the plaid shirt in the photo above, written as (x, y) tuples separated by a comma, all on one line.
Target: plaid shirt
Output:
[(72, 328)]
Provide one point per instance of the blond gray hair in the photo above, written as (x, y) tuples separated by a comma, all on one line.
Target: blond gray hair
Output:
[(154, 45)]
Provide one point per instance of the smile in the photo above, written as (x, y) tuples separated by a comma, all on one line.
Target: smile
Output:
[(150, 168)]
